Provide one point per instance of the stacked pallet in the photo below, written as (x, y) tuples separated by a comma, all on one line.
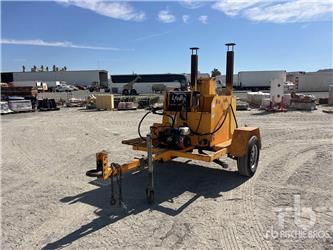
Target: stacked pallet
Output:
[(104, 102)]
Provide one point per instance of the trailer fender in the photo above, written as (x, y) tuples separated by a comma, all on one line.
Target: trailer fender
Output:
[(240, 139)]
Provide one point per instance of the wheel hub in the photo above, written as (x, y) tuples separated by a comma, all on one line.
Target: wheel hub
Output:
[(253, 158)]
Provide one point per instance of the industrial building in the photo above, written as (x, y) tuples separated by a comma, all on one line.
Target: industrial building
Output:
[(77, 77)]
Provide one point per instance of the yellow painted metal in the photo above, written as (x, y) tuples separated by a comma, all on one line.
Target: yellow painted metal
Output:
[(212, 127), (206, 86), (102, 161), (204, 120), (240, 139), (112, 170), (164, 155), (170, 154)]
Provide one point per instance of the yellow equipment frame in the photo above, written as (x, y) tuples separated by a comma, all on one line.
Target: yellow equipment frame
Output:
[(209, 117), (235, 147)]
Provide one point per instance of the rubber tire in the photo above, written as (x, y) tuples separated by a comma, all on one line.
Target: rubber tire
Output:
[(125, 92), (133, 92), (243, 163)]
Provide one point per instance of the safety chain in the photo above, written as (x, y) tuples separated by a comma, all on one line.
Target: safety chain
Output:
[(116, 168)]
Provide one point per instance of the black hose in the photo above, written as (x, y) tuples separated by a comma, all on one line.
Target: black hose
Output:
[(233, 113), (219, 127), (194, 132), (174, 120), (139, 126)]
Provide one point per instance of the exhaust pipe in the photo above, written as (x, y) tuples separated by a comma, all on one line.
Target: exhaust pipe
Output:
[(230, 68), (194, 68)]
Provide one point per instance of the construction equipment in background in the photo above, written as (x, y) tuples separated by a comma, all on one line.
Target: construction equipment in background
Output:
[(128, 89), (196, 124)]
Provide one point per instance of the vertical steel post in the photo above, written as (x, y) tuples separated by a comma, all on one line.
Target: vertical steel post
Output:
[(194, 68), (229, 68), (150, 188)]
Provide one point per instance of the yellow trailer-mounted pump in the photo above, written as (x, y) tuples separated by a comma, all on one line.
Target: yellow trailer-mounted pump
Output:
[(196, 124)]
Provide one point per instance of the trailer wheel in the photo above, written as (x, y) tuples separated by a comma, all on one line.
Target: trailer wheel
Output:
[(133, 92), (125, 92), (247, 165)]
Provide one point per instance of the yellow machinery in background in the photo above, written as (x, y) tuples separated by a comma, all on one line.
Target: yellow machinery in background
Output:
[(196, 124)]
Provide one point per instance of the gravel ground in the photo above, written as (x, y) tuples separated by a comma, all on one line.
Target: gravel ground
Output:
[(48, 202)]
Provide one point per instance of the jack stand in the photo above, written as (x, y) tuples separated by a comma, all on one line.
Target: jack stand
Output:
[(150, 187)]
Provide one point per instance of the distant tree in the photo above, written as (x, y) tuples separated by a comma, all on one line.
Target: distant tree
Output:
[(47, 68), (23, 68), (215, 72), (54, 68)]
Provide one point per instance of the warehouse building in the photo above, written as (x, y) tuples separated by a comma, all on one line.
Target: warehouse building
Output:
[(78, 77)]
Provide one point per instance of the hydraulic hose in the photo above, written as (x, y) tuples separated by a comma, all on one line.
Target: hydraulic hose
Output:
[(220, 126), (156, 113)]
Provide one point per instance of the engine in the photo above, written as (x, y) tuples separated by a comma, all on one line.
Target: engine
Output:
[(175, 138)]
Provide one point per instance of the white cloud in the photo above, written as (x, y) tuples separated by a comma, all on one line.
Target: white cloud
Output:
[(294, 11), (277, 12), (192, 4), (233, 7), (117, 9), (152, 36), (166, 17), (185, 18), (203, 19), (64, 44)]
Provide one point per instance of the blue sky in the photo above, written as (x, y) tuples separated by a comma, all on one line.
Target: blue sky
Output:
[(155, 37)]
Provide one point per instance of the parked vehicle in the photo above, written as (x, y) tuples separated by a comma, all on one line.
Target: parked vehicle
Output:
[(73, 88), (146, 83), (63, 88), (42, 86), (81, 87), (257, 80)]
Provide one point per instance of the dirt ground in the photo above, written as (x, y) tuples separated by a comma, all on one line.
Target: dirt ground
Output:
[(48, 202)]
